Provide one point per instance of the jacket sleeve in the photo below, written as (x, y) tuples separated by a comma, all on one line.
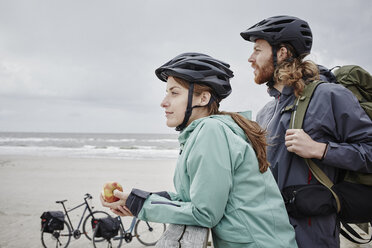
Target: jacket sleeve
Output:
[(137, 198), (347, 128), (209, 170)]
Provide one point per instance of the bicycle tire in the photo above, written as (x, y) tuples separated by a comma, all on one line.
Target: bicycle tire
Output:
[(87, 224), (148, 233), (49, 240), (114, 242)]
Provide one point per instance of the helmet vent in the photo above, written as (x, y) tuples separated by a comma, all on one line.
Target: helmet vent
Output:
[(305, 26), (227, 87), (282, 22), (306, 33), (261, 23), (273, 30), (198, 67), (221, 77)]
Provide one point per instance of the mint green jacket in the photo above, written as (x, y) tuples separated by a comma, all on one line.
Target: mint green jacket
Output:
[(219, 186)]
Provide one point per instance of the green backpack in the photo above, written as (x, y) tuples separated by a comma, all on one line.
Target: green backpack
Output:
[(351, 208), (358, 81)]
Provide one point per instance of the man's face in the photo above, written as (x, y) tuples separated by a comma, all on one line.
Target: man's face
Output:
[(262, 61)]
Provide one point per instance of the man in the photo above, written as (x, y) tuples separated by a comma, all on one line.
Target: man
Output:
[(336, 134)]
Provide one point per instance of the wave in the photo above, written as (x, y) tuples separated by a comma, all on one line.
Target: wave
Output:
[(32, 139), (79, 140), (91, 145), (92, 152), (121, 147)]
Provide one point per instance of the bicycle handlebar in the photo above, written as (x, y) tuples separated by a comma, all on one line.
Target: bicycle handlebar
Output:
[(88, 196)]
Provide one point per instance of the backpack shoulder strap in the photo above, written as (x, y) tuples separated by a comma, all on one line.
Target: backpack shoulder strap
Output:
[(297, 118), (301, 103)]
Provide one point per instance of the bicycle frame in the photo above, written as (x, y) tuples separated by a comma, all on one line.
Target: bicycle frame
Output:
[(86, 223), (131, 227), (87, 207)]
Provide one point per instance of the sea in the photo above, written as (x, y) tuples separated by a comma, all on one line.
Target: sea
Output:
[(90, 145)]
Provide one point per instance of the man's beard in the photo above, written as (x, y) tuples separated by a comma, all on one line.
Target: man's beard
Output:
[(265, 72)]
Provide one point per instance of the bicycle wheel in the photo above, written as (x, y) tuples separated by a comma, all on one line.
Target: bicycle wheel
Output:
[(87, 224), (60, 238), (114, 242), (148, 233)]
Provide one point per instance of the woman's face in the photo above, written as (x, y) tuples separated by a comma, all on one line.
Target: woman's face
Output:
[(175, 102)]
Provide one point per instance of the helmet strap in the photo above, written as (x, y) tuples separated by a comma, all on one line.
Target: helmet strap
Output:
[(275, 56), (275, 63), (188, 109)]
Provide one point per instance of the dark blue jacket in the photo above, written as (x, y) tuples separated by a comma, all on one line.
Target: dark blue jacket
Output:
[(334, 116)]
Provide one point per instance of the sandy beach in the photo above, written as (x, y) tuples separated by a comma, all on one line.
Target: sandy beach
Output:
[(31, 185)]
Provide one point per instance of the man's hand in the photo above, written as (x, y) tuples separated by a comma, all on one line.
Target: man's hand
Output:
[(299, 142)]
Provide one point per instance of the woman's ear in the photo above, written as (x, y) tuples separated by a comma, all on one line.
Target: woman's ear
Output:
[(204, 98)]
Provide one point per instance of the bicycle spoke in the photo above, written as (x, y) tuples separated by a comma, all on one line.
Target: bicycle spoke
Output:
[(87, 225), (115, 242), (58, 239), (149, 233)]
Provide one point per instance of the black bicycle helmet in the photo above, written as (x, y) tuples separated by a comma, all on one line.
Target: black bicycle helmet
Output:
[(198, 68), (282, 29)]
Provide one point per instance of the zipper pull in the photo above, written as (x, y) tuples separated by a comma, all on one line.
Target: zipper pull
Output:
[(181, 149)]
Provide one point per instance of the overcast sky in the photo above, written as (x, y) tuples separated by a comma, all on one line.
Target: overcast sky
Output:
[(88, 66)]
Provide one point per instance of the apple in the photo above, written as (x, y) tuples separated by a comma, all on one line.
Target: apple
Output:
[(108, 191)]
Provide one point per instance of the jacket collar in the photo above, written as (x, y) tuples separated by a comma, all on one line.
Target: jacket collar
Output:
[(185, 134), (287, 90), (226, 119)]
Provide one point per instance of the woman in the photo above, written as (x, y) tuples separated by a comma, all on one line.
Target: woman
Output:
[(221, 178)]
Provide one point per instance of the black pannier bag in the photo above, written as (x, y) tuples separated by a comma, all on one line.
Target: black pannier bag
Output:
[(106, 228), (52, 221)]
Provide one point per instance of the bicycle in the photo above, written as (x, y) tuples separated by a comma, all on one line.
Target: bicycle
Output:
[(61, 238), (147, 233)]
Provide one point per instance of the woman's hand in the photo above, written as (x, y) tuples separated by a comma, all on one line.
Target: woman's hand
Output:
[(122, 211), (299, 142), (117, 207)]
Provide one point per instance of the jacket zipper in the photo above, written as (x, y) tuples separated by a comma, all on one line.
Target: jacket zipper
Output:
[(165, 203), (181, 149), (272, 117)]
